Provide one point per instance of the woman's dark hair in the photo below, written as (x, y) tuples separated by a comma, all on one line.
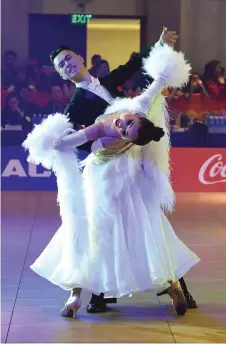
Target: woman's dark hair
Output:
[(210, 70), (148, 132), (56, 52)]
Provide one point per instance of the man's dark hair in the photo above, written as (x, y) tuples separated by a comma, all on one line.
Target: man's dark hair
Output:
[(148, 132), (95, 57), (10, 52), (56, 52)]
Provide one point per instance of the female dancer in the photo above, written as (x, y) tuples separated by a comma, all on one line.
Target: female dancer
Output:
[(115, 237)]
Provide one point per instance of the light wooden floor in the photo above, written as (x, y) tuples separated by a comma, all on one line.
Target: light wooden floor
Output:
[(30, 305)]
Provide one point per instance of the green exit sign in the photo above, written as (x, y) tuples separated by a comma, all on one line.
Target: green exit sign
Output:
[(80, 18)]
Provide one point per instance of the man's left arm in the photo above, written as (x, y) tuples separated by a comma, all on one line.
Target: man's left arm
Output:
[(124, 72)]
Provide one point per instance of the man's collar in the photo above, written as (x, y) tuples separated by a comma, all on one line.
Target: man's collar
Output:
[(94, 82)]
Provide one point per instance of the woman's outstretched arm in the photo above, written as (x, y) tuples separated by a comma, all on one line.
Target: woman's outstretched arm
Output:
[(78, 138)]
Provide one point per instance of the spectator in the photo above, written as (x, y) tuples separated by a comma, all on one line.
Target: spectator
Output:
[(29, 107), (221, 78), (33, 74), (14, 113), (56, 103), (94, 60), (213, 79), (69, 89), (47, 74), (20, 79), (102, 69), (131, 89), (7, 75), (195, 85)]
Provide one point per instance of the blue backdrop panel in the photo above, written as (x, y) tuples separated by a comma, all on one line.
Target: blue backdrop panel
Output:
[(18, 174), (48, 31)]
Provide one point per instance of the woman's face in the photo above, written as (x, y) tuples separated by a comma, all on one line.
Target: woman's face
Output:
[(13, 103), (127, 126), (218, 69)]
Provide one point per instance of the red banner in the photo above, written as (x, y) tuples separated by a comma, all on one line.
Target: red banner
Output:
[(198, 104), (198, 169)]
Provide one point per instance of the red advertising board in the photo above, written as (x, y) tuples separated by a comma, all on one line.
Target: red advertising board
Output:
[(198, 169)]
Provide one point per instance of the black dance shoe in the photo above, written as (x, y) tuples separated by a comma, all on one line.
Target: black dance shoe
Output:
[(97, 304), (96, 307), (190, 301)]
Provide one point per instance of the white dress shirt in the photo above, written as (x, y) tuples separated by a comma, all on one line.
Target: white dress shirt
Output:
[(95, 87)]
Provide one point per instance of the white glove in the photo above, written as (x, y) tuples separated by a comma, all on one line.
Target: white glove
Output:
[(70, 141), (68, 132)]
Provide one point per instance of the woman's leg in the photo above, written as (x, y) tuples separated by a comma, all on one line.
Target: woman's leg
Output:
[(73, 303), (189, 298), (76, 292), (177, 296)]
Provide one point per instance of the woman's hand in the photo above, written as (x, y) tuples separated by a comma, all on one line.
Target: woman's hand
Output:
[(58, 144), (168, 37)]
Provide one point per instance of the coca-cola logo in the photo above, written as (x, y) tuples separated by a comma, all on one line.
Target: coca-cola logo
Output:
[(213, 170)]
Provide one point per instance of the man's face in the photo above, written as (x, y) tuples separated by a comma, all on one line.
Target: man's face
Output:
[(56, 94), (96, 60), (68, 64), (10, 61), (13, 103), (102, 70)]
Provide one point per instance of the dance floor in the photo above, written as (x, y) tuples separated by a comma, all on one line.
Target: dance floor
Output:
[(31, 305)]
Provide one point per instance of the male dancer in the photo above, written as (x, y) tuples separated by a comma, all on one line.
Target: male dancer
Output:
[(91, 98)]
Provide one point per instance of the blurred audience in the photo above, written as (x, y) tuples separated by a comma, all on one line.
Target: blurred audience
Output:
[(69, 89), (94, 60), (9, 66), (38, 89), (102, 69), (57, 100), (131, 88), (214, 79), (195, 85), (15, 113)]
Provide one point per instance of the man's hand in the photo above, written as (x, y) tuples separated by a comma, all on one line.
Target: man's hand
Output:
[(168, 37)]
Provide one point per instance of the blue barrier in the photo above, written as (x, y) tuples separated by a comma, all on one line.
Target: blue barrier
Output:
[(18, 174)]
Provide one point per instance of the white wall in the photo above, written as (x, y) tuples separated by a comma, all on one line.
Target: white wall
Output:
[(100, 7), (203, 31), (162, 13), (15, 27)]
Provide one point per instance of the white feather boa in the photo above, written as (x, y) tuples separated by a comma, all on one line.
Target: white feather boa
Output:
[(65, 165)]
